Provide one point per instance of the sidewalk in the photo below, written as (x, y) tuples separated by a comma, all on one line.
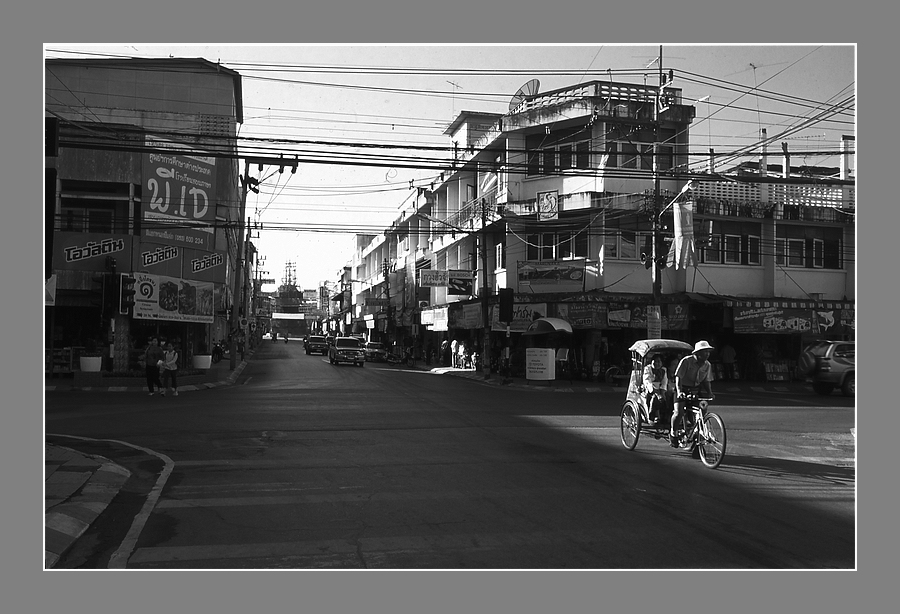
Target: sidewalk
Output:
[(77, 489), (218, 374), (564, 385)]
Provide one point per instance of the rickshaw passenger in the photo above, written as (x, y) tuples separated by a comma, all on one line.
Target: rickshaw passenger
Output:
[(655, 384), (693, 373)]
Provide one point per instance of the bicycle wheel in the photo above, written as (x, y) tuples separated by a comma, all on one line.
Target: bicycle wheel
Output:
[(711, 440), (631, 425), (611, 374)]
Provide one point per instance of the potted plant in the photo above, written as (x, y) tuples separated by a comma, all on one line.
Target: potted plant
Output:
[(91, 358), (202, 359)]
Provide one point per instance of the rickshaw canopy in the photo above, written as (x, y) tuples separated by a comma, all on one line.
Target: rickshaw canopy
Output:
[(646, 346)]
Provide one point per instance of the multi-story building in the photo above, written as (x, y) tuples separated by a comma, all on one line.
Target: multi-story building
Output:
[(142, 206), (564, 199)]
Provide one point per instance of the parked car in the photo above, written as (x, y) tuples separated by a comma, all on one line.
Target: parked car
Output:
[(316, 344), (347, 349), (829, 365), (375, 352)]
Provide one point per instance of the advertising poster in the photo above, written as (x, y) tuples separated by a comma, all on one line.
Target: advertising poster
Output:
[(523, 315), (81, 251), (675, 317), (772, 320), (173, 299), (536, 277), (178, 204)]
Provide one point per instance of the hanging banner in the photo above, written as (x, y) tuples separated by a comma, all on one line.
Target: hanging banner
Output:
[(654, 322), (583, 315), (50, 291), (160, 297), (550, 276), (178, 206)]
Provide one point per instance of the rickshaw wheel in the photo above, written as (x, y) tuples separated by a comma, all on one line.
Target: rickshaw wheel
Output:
[(711, 440), (631, 425)]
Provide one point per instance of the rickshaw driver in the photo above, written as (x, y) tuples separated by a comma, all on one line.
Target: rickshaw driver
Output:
[(693, 373), (655, 384)]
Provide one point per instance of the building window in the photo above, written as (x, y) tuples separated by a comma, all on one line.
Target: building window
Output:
[(753, 250), (565, 157), (500, 255), (796, 252), (818, 256), (583, 154), (713, 251), (732, 249)]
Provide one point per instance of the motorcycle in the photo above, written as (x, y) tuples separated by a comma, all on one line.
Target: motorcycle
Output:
[(217, 352)]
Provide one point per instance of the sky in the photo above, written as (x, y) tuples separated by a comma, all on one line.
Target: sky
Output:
[(406, 96)]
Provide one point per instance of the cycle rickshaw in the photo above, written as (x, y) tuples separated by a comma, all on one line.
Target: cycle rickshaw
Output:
[(700, 430)]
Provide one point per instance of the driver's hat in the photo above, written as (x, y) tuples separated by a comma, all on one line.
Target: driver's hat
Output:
[(702, 345)]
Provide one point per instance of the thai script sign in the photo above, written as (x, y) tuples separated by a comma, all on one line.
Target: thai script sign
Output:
[(178, 206), (78, 251), (432, 278)]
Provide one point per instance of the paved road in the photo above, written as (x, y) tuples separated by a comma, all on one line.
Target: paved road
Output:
[(307, 465)]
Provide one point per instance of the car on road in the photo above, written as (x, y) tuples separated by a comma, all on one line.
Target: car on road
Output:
[(316, 344), (347, 349), (829, 365), (375, 352)]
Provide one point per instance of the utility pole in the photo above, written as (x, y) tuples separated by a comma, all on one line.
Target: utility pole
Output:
[(485, 291), (654, 268), (240, 259), (238, 270)]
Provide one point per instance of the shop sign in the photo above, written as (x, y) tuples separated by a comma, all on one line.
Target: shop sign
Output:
[(178, 206), (553, 276), (160, 297), (432, 278), (441, 319), (523, 315), (675, 317), (772, 319)]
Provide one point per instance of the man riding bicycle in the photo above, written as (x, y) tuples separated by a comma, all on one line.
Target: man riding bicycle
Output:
[(694, 373)]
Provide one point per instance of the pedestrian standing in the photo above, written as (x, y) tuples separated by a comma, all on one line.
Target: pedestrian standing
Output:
[(728, 356), (454, 358), (152, 355), (170, 370)]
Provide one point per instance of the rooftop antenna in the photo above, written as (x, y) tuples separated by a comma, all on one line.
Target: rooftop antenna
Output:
[(525, 92), (453, 95)]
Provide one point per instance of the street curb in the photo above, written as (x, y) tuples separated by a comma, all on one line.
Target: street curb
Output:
[(65, 522)]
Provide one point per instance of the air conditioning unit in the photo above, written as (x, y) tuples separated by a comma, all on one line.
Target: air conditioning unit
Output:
[(423, 304)]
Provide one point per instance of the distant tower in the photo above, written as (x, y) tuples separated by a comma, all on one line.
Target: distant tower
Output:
[(290, 274)]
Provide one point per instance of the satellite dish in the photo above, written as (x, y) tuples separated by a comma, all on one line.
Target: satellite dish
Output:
[(524, 92)]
